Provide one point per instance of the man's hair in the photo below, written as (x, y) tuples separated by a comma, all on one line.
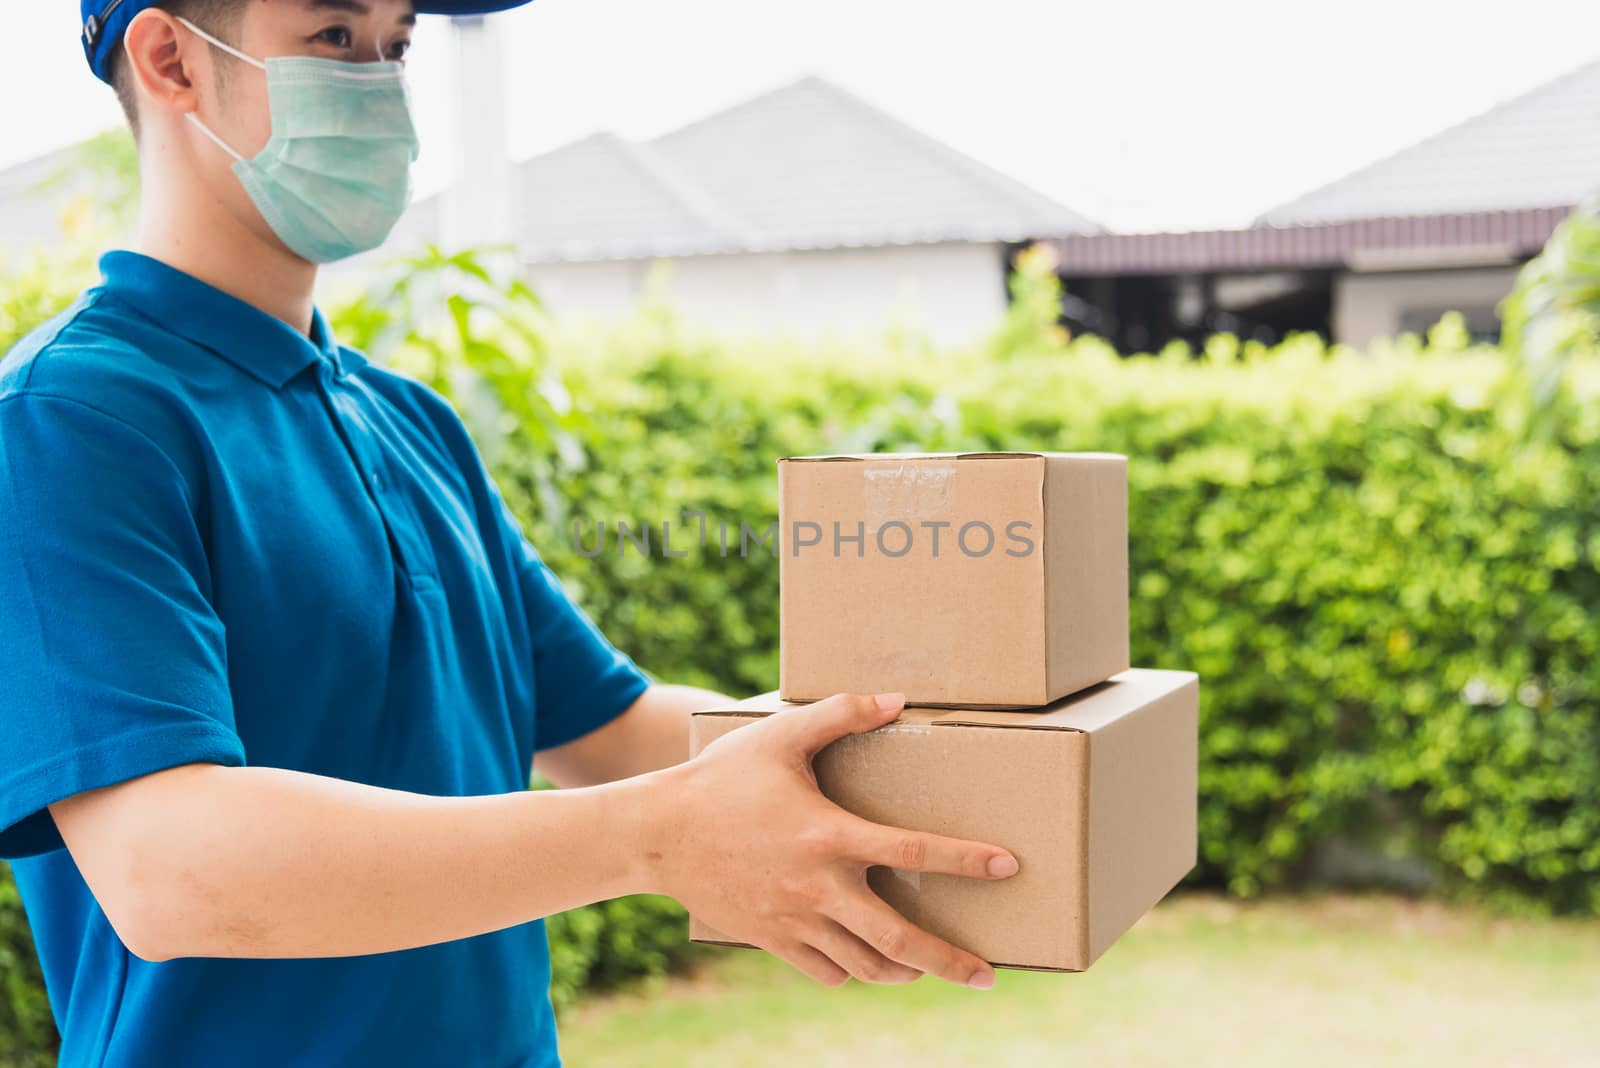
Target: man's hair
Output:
[(220, 18)]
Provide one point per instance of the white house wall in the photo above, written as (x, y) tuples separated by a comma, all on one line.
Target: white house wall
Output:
[(955, 290), (1371, 306)]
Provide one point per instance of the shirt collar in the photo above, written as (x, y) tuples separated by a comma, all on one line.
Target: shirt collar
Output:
[(261, 344)]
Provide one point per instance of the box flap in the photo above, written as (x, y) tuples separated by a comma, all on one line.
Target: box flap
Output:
[(1088, 710), (847, 456), (857, 456), (1097, 457)]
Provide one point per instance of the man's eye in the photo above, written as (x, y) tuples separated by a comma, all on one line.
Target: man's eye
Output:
[(398, 49), (338, 36)]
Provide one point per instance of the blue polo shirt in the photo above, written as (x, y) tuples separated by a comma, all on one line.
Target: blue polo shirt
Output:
[(223, 540)]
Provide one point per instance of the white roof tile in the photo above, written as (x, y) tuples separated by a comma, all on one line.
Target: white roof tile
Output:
[(1539, 150)]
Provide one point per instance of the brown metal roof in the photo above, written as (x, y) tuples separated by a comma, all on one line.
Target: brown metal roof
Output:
[(1361, 244)]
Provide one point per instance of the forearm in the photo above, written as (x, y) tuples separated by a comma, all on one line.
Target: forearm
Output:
[(652, 734), (262, 862)]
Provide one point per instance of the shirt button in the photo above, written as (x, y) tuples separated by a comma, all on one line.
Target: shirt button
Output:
[(377, 479)]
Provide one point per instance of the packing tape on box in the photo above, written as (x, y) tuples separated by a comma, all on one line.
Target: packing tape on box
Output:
[(907, 492)]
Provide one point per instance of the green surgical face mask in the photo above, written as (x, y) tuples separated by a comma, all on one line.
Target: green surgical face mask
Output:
[(335, 175)]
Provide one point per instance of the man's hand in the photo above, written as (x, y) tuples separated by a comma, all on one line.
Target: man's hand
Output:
[(745, 840)]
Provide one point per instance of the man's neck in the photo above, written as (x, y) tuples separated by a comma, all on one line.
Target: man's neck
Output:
[(196, 235)]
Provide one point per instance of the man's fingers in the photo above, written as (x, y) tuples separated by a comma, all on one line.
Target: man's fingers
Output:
[(813, 963), (895, 937), (895, 847), (815, 725), (858, 958)]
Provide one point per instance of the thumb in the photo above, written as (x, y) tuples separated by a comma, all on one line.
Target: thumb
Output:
[(814, 726)]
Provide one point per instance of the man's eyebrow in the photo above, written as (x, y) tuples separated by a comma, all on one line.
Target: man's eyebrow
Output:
[(354, 7)]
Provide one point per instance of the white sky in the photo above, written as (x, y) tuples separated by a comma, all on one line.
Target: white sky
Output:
[(1144, 115)]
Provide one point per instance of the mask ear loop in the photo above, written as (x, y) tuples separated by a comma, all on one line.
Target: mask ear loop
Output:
[(191, 116), (220, 143), (254, 62)]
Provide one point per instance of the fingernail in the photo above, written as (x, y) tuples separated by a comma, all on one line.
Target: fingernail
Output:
[(888, 702), (1002, 866), (981, 981)]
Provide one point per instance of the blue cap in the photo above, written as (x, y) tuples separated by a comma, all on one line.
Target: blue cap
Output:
[(105, 20)]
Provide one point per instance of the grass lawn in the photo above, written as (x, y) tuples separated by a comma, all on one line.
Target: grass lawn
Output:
[(1346, 981)]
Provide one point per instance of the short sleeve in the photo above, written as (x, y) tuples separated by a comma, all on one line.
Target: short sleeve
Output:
[(581, 680), (114, 661)]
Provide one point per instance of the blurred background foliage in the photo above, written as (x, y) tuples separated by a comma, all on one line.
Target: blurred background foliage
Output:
[(1553, 314), (1386, 579)]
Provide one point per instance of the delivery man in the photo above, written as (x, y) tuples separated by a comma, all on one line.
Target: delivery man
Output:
[(278, 660)]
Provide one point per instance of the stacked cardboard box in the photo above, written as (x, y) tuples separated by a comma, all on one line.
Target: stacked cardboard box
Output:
[(991, 589)]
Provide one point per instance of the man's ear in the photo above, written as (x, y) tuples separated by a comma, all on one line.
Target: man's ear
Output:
[(163, 64)]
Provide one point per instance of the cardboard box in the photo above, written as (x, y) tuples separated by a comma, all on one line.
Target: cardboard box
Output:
[(1095, 795), (972, 580)]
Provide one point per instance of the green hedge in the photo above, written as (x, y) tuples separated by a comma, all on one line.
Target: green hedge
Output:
[(597, 947), (1386, 583), (27, 1032)]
